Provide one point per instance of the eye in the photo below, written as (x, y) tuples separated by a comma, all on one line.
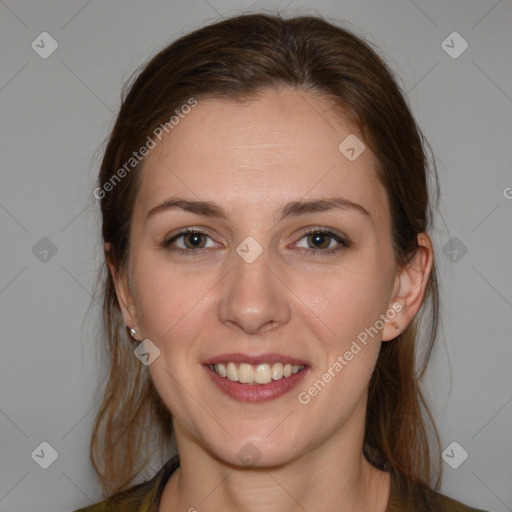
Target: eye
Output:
[(189, 241), (317, 241), (321, 241)]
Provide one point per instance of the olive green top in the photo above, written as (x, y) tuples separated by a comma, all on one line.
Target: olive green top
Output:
[(145, 497)]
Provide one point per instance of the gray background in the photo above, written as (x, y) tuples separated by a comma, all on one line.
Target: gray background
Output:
[(55, 113)]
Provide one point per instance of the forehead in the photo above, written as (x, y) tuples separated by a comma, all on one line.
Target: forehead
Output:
[(280, 146)]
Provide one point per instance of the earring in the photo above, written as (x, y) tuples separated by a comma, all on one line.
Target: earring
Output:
[(132, 332), (395, 325)]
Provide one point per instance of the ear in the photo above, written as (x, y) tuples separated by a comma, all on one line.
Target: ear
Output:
[(123, 292), (409, 290)]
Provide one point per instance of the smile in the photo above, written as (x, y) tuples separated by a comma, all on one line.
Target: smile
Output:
[(263, 373)]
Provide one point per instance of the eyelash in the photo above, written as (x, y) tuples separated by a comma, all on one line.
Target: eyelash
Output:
[(343, 243)]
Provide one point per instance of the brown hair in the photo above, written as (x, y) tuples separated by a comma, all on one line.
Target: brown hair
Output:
[(236, 58)]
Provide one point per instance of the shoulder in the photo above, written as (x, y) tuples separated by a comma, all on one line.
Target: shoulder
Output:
[(451, 505), (420, 498), (131, 500), (101, 506), (142, 497)]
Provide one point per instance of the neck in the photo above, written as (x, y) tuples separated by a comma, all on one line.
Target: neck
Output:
[(333, 476)]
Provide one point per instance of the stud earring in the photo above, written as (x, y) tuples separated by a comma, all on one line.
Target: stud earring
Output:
[(395, 325), (132, 332)]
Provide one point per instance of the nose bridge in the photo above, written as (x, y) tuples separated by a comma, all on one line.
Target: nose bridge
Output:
[(253, 298)]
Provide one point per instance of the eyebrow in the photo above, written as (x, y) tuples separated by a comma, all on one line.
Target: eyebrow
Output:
[(293, 209)]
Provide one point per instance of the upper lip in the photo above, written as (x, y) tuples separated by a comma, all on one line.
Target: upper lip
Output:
[(255, 359)]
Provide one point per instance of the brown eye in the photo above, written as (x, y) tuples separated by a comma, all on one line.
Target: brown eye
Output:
[(190, 241), (322, 241), (319, 240), (194, 240)]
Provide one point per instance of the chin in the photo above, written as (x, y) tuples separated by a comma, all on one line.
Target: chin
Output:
[(257, 452)]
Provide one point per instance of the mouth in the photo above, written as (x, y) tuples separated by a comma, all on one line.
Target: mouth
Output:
[(260, 374), (255, 379)]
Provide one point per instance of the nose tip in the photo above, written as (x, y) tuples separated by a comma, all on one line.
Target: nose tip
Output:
[(251, 320), (252, 298)]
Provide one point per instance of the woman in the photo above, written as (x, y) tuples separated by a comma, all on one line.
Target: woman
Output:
[(265, 204)]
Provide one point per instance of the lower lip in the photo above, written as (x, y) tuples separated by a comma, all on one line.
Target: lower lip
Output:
[(256, 392)]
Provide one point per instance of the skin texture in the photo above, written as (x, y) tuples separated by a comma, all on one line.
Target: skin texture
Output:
[(251, 159)]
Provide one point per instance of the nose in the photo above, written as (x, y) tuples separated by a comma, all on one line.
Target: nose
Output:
[(253, 298)]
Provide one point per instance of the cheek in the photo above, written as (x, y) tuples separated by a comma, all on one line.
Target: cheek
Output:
[(347, 311), (345, 302), (171, 302)]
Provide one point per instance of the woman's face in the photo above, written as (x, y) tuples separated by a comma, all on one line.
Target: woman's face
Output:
[(289, 264)]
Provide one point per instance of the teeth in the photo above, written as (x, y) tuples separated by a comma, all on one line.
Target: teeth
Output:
[(245, 373), (263, 374), (277, 371), (221, 370), (232, 372), (259, 374)]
